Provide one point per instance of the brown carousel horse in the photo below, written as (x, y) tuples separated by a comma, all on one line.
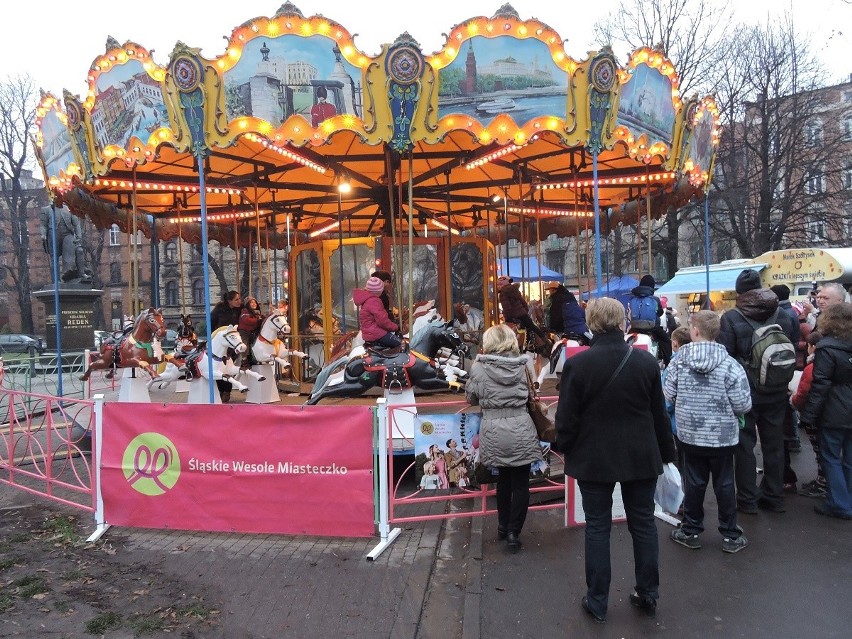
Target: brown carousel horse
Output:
[(135, 348)]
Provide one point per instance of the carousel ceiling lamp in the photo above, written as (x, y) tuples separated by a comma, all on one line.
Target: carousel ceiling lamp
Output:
[(282, 150), (324, 229), (163, 186), (445, 227), (485, 159), (345, 185), (527, 210), (636, 179)]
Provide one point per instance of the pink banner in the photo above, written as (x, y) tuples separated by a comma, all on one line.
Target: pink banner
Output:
[(263, 469)]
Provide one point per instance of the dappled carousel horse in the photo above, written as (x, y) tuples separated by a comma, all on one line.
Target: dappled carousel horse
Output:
[(432, 361), (269, 347), (138, 347)]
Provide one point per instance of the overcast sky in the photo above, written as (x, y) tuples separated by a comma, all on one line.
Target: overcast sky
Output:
[(56, 41)]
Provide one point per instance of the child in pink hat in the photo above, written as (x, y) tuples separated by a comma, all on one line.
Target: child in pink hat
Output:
[(376, 326)]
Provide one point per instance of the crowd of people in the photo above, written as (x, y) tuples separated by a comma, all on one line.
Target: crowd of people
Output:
[(728, 383)]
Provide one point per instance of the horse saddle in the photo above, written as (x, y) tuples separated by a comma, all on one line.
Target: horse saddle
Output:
[(383, 351), (392, 365), (190, 363)]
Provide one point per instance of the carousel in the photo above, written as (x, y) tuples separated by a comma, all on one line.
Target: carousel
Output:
[(328, 163)]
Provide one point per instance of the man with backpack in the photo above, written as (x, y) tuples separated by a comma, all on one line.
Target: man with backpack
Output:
[(645, 310), (759, 335)]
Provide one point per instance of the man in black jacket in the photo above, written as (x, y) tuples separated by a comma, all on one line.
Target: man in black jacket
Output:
[(767, 414)]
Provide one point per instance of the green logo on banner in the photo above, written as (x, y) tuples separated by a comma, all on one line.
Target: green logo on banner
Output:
[(151, 464)]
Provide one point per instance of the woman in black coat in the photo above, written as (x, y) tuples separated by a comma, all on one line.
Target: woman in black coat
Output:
[(829, 406), (615, 432)]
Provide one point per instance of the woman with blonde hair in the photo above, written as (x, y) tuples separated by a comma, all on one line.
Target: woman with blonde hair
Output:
[(612, 427), (507, 437)]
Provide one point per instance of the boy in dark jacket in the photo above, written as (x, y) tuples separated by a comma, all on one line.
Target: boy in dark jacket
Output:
[(710, 391), (515, 307)]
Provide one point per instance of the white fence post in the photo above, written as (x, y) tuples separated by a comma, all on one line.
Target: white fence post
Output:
[(386, 534)]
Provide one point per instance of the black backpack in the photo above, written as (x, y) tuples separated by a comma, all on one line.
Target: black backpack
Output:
[(772, 357)]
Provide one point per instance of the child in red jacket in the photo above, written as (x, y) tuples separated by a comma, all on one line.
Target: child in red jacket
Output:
[(376, 326), (815, 488)]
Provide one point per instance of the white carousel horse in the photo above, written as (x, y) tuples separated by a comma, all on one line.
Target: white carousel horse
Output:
[(224, 368), (642, 341), (268, 346), (558, 354)]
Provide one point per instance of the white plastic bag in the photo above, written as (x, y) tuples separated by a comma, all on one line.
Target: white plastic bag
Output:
[(669, 492)]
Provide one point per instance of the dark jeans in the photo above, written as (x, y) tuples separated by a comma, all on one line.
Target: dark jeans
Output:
[(513, 497), (836, 451), (813, 437), (697, 469), (389, 340), (768, 421), (638, 498)]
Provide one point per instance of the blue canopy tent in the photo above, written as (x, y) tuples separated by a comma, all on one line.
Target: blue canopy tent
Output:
[(532, 271), (615, 287)]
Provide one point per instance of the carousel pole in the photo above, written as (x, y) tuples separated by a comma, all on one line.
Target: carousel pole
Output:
[(343, 186), (55, 266), (598, 279), (588, 255), (639, 239), (648, 213), (258, 244), (182, 275), (506, 228), (577, 229), (410, 239), (134, 254), (202, 189), (707, 243), (155, 264), (449, 246), (236, 252), (393, 252)]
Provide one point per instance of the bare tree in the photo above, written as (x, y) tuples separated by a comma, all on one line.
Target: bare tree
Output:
[(779, 143), (17, 116), (688, 32)]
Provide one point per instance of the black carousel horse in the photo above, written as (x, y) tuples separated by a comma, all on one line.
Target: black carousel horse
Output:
[(433, 361)]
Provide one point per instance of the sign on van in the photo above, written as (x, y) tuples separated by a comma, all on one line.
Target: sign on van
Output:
[(799, 265)]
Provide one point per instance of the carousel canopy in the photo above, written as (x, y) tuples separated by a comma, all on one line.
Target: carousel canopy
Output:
[(293, 127)]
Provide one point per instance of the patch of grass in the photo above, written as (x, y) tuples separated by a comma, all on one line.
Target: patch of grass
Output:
[(74, 575), (5, 547), (19, 538), (197, 610), (62, 526), (31, 585), (5, 603), (103, 622), (146, 625), (62, 606), (7, 562)]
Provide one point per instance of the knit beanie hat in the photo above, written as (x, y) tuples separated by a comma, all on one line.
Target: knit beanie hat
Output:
[(647, 280), (502, 281), (748, 280), (375, 285), (782, 291)]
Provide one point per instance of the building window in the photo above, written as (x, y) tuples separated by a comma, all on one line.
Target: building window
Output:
[(847, 177), (816, 230), (584, 266), (696, 252), (2, 241), (198, 292), (114, 232), (172, 293), (171, 252), (847, 129), (115, 272), (813, 133), (814, 182)]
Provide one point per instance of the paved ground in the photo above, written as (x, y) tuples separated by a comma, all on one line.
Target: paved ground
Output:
[(455, 579)]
